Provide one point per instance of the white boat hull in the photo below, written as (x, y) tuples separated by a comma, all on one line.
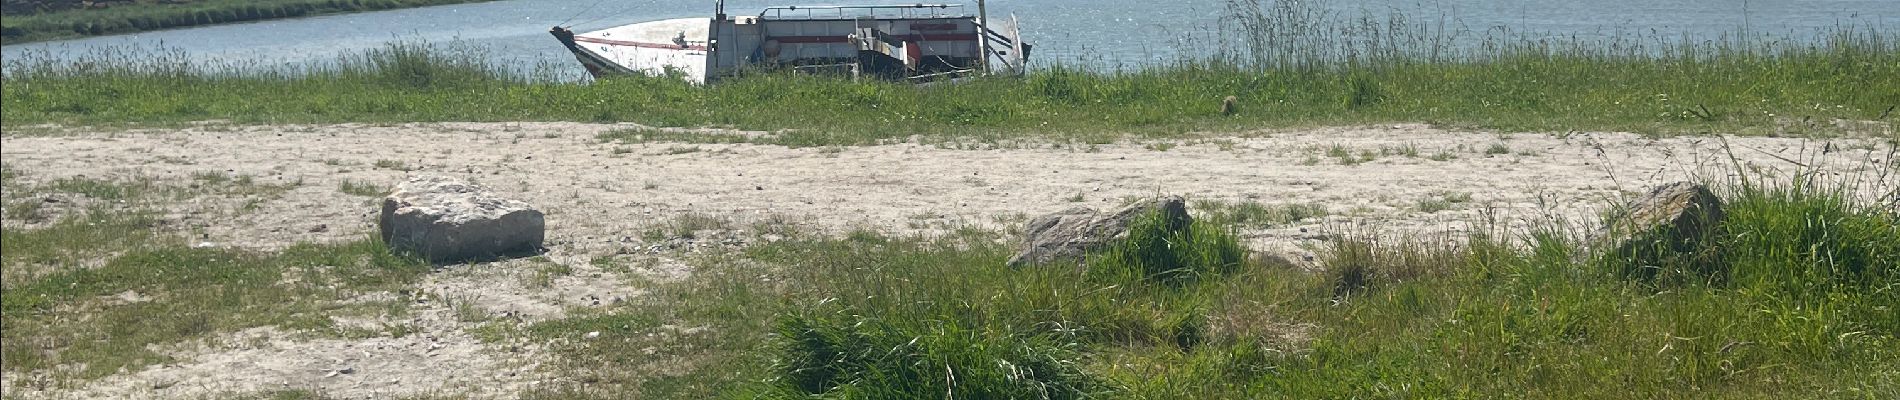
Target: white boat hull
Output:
[(658, 48), (912, 45)]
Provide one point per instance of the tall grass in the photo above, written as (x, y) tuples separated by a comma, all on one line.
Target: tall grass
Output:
[(1511, 312), (902, 318), (1810, 239), (1285, 69), (128, 17), (1157, 250)]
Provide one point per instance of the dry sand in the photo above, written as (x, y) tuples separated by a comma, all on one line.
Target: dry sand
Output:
[(599, 197)]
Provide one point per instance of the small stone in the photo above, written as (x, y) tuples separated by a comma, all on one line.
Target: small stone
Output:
[(591, 335)]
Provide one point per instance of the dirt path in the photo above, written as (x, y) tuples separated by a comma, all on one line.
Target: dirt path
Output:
[(600, 197)]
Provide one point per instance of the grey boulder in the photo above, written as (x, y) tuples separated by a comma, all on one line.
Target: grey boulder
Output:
[(447, 220), (1075, 232), (1674, 221)]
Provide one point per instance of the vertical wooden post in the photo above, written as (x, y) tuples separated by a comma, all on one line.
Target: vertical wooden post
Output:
[(982, 37)]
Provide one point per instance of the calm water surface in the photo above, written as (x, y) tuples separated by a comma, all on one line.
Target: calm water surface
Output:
[(1098, 32)]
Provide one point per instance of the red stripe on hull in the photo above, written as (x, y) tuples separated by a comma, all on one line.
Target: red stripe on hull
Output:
[(957, 37), (639, 44)]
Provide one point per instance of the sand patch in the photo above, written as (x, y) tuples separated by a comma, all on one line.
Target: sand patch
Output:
[(601, 197)]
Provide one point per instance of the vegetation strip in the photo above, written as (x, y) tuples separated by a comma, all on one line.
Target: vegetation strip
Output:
[(1842, 85), (132, 17)]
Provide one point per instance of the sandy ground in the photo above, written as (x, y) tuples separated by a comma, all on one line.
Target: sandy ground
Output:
[(600, 197)]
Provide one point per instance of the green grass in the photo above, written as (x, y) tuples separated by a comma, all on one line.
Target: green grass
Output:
[(1620, 84), (390, 164), (81, 240), (101, 189), (361, 188), (59, 308), (1253, 214), (1507, 312), (1810, 239), (686, 226), (129, 17), (103, 289), (1442, 201), (27, 210), (654, 135), (1805, 311)]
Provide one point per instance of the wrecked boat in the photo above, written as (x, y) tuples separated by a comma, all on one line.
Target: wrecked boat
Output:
[(915, 42)]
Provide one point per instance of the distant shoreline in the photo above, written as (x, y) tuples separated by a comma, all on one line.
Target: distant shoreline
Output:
[(133, 18)]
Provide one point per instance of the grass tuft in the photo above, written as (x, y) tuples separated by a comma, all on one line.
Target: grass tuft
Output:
[(846, 353), (1157, 250), (361, 188)]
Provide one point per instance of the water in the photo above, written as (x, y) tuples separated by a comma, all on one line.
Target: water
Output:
[(1111, 33)]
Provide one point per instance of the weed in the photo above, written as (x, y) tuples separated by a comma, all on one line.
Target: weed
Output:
[(1441, 201), (1407, 150), (361, 188), (390, 164), (211, 177), (1251, 214), (686, 226), (29, 210), (101, 189), (1346, 156), (545, 272)]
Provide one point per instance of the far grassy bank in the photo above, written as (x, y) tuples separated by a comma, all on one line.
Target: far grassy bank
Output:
[(1284, 70), (129, 17)]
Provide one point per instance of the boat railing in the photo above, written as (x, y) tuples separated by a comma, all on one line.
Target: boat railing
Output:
[(875, 11)]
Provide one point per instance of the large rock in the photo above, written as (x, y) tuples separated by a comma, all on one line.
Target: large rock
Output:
[(447, 220), (1672, 225), (1075, 232)]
